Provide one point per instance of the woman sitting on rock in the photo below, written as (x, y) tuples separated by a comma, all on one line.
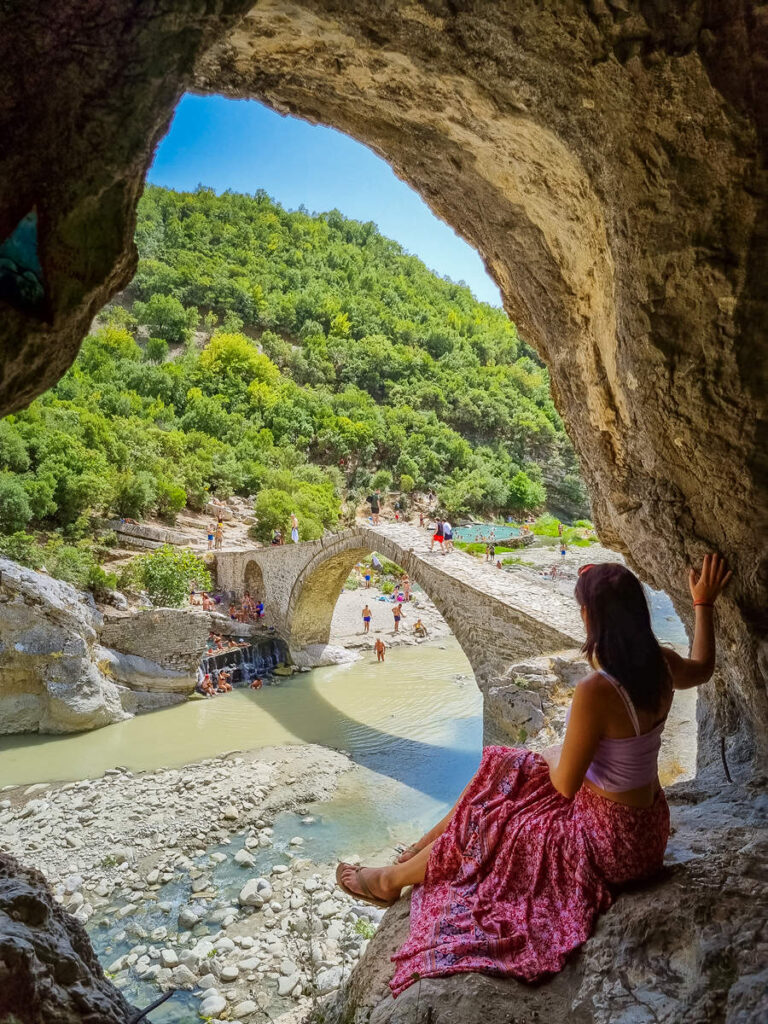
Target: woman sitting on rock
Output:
[(512, 880)]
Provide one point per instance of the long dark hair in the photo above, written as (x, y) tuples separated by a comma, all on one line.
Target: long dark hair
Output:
[(619, 635)]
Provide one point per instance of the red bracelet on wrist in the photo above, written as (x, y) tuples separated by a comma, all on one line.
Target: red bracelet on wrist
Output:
[(703, 604)]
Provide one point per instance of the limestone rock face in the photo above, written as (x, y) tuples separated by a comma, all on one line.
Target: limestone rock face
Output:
[(50, 677), (607, 159), (48, 970), (690, 946)]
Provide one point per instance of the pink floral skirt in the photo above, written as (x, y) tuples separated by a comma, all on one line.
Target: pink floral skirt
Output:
[(518, 878)]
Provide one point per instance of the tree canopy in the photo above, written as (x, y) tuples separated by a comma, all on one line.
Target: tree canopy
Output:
[(289, 356)]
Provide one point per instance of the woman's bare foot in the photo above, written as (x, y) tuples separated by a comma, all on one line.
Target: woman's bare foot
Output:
[(377, 880)]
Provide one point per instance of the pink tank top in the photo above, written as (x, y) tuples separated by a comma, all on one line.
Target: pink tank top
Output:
[(629, 763)]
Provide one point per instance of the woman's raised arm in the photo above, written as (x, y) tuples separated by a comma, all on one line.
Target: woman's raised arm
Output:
[(705, 586)]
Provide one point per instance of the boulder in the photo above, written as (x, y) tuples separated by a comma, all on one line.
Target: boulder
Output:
[(142, 673), (188, 918), (47, 964), (511, 715), (51, 680), (255, 893)]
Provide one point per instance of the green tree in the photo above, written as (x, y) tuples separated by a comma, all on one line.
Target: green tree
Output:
[(168, 573), (15, 511), (13, 451), (165, 316)]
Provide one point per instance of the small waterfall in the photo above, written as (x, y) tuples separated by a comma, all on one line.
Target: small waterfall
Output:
[(254, 660)]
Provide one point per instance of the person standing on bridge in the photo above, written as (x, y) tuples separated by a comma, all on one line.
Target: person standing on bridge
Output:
[(513, 879), (448, 536), (219, 534), (437, 535), (294, 528), (366, 619)]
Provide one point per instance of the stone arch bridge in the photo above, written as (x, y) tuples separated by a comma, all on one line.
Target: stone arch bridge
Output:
[(497, 618)]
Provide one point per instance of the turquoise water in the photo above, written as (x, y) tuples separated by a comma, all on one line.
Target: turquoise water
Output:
[(479, 530)]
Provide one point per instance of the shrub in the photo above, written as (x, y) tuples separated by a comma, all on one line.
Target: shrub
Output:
[(584, 524), (136, 493), (407, 483), (22, 548), (387, 587), (352, 582), (15, 511), (78, 566), (156, 350), (546, 526), (171, 499), (382, 480), (166, 574)]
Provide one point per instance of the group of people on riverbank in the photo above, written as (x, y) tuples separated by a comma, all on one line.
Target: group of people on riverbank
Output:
[(250, 609)]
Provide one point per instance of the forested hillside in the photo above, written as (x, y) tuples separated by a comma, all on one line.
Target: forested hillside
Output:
[(293, 357)]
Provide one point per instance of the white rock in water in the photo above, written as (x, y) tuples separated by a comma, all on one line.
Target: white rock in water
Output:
[(230, 972), (153, 877), (218, 858), (169, 958), (244, 859), (188, 918), (207, 981), (182, 977), (327, 981), (255, 893), (212, 1005), (286, 985), (280, 869), (296, 841)]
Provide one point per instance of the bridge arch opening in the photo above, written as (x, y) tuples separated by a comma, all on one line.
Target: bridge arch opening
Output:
[(254, 580)]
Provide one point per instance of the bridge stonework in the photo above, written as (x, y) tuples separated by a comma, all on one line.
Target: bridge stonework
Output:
[(497, 617)]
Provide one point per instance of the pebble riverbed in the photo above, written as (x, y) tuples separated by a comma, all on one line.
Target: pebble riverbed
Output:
[(182, 883)]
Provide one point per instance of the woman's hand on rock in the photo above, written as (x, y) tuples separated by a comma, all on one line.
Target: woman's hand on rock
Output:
[(708, 584)]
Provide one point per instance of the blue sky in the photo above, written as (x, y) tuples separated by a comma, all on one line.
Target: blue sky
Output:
[(243, 146)]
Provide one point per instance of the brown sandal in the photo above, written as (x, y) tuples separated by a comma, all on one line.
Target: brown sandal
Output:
[(366, 896)]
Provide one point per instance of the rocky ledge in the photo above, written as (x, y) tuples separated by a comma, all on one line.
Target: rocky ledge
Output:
[(689, 948)]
